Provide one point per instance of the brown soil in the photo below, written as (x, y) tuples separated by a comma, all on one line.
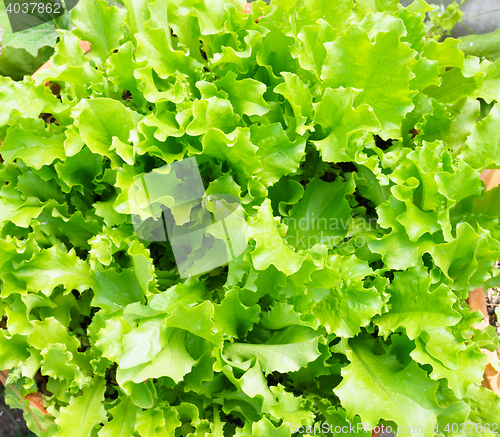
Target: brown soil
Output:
[(12, 423)]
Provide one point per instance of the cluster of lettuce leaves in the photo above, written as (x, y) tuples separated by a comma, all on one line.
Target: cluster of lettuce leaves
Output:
[(310, 112)]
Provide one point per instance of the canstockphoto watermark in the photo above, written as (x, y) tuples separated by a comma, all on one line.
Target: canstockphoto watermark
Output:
[(204, 231), (325, 427), (26, 14)]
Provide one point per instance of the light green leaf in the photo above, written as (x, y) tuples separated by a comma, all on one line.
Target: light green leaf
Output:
[(280, 357), (154, 47), (299, 96), (404, 395), (233, 318), (236, 149), (279, 156), (290, 408), (121, 67), (442, 345), (100, 24), (113, 290), (323, 215), (33, 39), (212, 113), (138, 14), (354, 61), (310, 12), (342, 124), (482, 148), (275, 52), (13, 350), (311, 52), (83, 413), (143, 343), (73, 67), (52, 267), (51, 331), (110, 337), (484, 405), (426, 308), (101, 121), (245, 95), (80, 169), (34, 145), (23, 98), (470, 369), (466, 258), (344, 308), (204, 326), (489, 89), (446, 53), (482, 45), (123, 422), (397, 250), (264, 428), (454, 85), (271, 247), (151, 423), (165, 123), (173, 361), (390, 6), (58, 363)]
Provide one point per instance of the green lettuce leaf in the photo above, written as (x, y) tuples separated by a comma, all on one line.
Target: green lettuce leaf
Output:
[(380, 379)]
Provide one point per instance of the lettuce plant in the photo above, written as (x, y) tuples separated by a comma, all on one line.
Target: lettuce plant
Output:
[(354, 142)]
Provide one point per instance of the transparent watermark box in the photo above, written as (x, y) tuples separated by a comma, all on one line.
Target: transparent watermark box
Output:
[(204, 231), (27, 14)]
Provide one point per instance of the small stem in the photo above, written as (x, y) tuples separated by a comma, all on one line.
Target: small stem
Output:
[(483, 13), (35, 419), (467, 29)]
